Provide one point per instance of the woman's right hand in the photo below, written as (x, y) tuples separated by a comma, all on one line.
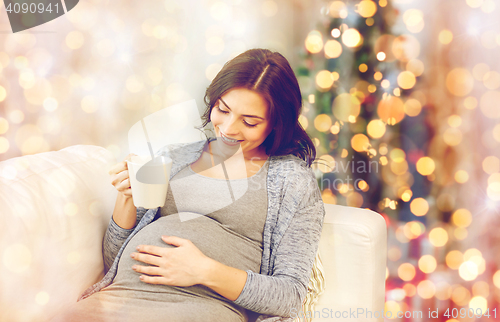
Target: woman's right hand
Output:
[(120, 178)]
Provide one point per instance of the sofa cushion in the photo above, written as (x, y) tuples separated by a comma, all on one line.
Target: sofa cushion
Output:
[(54, 210)]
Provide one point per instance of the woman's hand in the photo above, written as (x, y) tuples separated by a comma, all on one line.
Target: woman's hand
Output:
[(184, 265), (120, 178)]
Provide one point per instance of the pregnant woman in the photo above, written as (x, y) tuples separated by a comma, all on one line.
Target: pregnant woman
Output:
[(238, 234)]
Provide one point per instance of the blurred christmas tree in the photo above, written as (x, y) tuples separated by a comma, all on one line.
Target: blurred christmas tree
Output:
[(358, 80)]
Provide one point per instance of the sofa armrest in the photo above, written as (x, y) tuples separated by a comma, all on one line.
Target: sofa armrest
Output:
[(353, 249), (54, 210)]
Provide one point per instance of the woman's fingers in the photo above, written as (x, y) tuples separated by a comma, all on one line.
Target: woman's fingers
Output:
[(119, 167), (120, 177)]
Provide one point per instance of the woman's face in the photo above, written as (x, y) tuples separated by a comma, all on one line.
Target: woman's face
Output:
[(241, 114)]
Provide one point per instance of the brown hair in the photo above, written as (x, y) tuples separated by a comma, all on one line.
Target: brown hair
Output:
[(269, 74)]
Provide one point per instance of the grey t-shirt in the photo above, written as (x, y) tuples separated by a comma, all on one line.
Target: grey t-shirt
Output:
[(202, 210)]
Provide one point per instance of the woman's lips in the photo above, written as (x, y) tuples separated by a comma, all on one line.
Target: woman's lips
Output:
[(223, 136)]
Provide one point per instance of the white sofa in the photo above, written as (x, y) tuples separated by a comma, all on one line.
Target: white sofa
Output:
[(54, 210)]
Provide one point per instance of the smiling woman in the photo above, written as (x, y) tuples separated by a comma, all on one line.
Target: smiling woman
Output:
[(239, 231)]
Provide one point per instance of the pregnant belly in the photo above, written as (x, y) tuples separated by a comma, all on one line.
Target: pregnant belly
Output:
[(212, 238)]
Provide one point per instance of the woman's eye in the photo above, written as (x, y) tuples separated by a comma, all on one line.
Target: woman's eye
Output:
[(222, 111), (250, 125)]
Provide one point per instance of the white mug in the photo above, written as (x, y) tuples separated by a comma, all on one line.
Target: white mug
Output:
[(149, 180)]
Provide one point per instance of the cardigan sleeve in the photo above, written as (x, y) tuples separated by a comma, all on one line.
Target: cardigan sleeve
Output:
[(285, 288), (114, 238)]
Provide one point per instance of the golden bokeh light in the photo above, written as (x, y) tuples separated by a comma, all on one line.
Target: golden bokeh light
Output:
[(376, 129), (360, 142), (470, 102), (491, 164), (445, 36), (468, 271), (391, 110), (462, 218), (394, 253), (352, 38), (391, 308), (303, 121), (406, 195), (322, 122), (454, 259), (425, 166), (75, 39), (460, 295), (496, 279), (427, 264), (438, 237), (335, 33), (415, 66), (406, 47), (314, 42), (410, 289), (324, 79), (345, 105), (367, 8), (413, 229), (4, 145), (363, 186), (460, 233), (489, 104), (338, 9), (412, 107), (70, 209), (406, 80), (328, 197), (269, 8), (479, 70), (89, 104), (461, 176), (406, 271), (419, 206), (17, 258), (42, 298), (3, 93), (426, 289), (481, 288), (333, 49), (326, 163), (414, 20), (381, 56), (459, 82), (4, 125), (454, 120), (363, 68), (443, 291), (474, 3), (385, 84), (452, 136), (397, 155), (491, 80), (354, 199), (478, 304)]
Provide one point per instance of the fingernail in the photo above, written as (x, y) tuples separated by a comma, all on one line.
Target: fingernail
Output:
[(134, 267), (132, 255), (138, 248)]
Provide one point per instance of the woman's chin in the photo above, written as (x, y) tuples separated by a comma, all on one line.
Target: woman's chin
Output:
[(224, 149)]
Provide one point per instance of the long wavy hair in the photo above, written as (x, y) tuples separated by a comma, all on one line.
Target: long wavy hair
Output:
[(269, 74)]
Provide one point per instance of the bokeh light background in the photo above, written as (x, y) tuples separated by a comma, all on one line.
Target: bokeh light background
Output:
[(88, 76)]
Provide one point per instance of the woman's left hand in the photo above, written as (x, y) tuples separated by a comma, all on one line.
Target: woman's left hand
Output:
[(184, 265)]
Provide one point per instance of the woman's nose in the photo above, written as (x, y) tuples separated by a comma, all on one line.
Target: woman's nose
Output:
[(230, 127)]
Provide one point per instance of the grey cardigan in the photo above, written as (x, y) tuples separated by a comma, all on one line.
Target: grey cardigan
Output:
[(290, 240)]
